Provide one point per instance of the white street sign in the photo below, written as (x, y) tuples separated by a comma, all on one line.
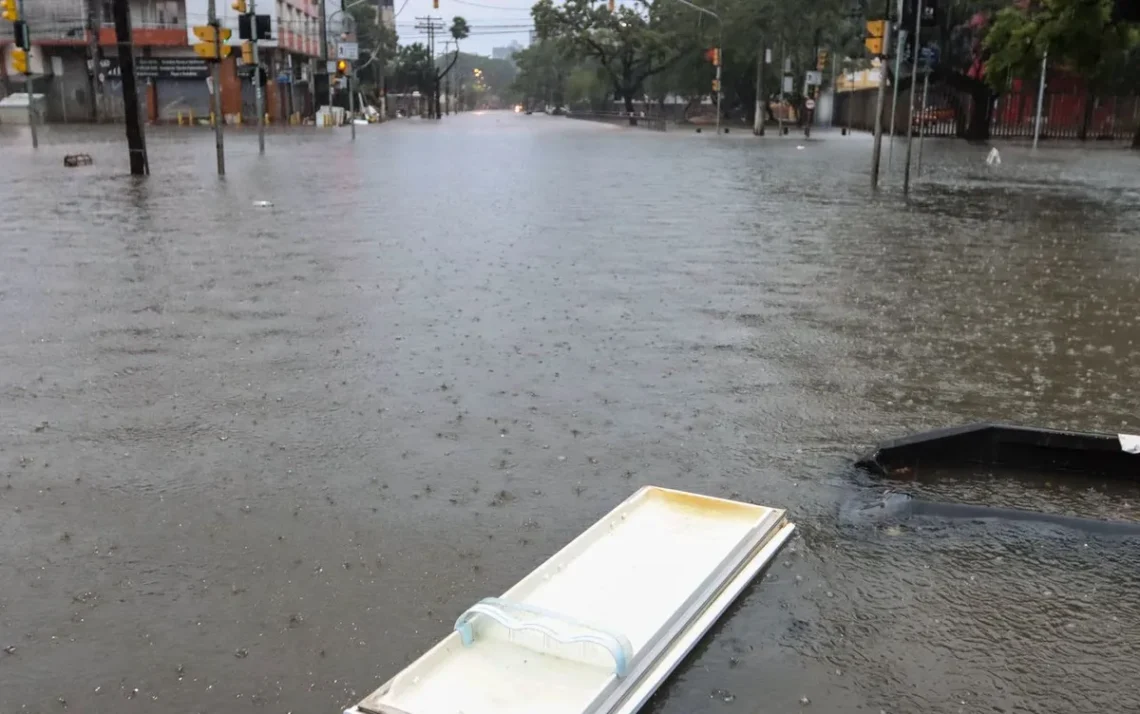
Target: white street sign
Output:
[(789, 84), (814, 78), (810, 104), (348, 51)]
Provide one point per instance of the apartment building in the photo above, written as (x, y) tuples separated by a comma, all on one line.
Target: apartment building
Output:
[(172, 78)]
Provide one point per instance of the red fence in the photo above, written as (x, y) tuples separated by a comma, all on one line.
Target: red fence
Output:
[(947, 113)]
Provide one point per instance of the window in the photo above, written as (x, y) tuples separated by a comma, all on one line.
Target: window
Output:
[(166, 12)]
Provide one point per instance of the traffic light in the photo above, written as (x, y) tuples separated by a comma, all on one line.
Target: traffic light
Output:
[(20, 61), (11, 10), (435, 4), (240, 7), (874, 37), (612, 5), (341, 68), (247, 52), (713, 55)]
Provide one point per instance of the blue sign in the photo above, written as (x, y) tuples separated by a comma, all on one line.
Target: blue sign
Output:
[(928, 56)]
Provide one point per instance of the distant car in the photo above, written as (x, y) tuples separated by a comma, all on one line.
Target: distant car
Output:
[(558, 111)]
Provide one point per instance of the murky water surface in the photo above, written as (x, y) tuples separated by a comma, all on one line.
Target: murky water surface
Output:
[(258, 459)]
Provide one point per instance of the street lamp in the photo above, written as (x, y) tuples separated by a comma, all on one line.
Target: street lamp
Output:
[(720, 58)]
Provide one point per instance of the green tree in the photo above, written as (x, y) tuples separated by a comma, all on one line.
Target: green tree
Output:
[(543, 72), (1079, 35), (459, 30), (631, 44), (377, 47)]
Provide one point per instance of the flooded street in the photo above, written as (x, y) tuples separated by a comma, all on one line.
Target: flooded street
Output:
[(258, 459)]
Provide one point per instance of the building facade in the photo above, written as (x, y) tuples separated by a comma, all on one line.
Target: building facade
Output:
[(71, 36)]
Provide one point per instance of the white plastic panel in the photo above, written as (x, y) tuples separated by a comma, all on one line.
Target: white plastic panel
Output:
[(647, 579)]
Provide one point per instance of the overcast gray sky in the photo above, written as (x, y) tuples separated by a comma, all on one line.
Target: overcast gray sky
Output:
[(494, 23)]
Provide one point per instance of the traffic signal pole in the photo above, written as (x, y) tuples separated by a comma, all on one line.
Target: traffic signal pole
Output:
[(258, 101), (216, 98), (31, 93), (877, 150)]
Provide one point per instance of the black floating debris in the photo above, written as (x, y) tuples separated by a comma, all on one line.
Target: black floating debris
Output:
[(1030, 449), (868, 509), (78, 160)]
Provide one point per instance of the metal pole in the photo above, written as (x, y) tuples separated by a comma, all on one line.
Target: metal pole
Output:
[(922, 119), (910, 113), (94, 85), (758, 120), (1040, 99), (324, 53), (783, 70), (31, 93), (895, 88), (216, 104), (719, 63), (877, 151), (258, 101), (351, 102)]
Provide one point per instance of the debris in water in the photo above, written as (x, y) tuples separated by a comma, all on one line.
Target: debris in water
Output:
[(73, 160), (263, 204), (723, 694), (994, 158), (800, 147), (804, 701), (240, 653)]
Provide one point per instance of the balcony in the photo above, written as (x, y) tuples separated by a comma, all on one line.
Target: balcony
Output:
[(149, 34)]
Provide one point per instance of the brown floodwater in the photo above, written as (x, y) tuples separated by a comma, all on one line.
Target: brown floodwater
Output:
[(258, 459)]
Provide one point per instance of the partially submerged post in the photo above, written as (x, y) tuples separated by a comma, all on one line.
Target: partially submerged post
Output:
[(136, 142)]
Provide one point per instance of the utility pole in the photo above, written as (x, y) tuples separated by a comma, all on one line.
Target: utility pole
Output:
[(910, 113), (94, 56), (136, 142), (216, 106), (431, 25), (877, 151), (258, 101), (351, 99)]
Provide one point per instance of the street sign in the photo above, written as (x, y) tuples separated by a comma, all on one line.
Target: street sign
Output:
[(348, 51), (928, 56), (716, 85), (810, 104), (158, 68), (330, 66), (789, 84), (813, 78)]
